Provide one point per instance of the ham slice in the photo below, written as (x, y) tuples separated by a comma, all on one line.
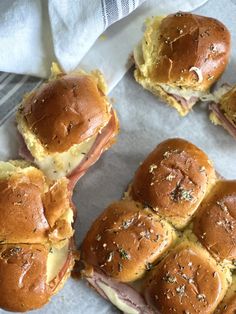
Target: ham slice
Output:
[(102, 142), (226, 123), (186, 104), (126, 298)]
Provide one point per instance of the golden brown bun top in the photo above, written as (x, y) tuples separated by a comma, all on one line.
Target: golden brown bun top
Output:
[(228, 103), (173, 180), (32, 209), (124, 241), (185, 282), (215, 223), (23, 277), (22, 215), (187, 40), (66, 111)]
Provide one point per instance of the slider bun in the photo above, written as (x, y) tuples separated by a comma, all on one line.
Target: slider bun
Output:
[(173, 180), (188, 280), (32, 209), (215, 222), (175, 44), (228, 104), (125, 240), (24, 278), (65, 111)]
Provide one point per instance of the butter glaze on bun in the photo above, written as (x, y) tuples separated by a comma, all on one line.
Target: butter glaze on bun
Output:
[(66, 111), (32, 209), (173, 180), (215, 222), (35, 236), (188, 280), (182, 55), (31, 289), (126, 240)]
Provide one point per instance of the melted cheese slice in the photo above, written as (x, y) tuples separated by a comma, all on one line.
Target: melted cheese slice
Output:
[(56, 260), (54, 165), (185, 93), (59, 165), (114, 298)]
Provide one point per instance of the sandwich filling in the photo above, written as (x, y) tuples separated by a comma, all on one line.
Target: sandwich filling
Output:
[(218, 116), (218, 106), (185, 97), (58, 165), (57, 262), (123, 296)]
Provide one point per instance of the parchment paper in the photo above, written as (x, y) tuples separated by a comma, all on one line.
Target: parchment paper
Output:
[(144, 123)]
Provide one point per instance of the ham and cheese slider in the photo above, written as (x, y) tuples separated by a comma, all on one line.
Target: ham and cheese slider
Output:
[(36, 232), (122, 245), (67, 123), (188, 281), (180, 57), (223, 111)]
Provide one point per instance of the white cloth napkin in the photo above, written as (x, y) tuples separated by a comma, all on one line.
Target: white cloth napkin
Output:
[(35, 33)]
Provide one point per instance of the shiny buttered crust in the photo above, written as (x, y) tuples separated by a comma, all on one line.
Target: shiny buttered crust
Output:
[(35, 232), (215, 222), (32, 209), (23, 277), (67, 110), (125, 241), (173, 180), (188, 280)]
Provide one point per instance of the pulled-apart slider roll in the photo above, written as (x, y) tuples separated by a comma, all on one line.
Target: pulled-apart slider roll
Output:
[(133, 254), (215, 222), (223, 111), (181, 56), (67, 123), (35, 236), (173, 180), (188, 280)]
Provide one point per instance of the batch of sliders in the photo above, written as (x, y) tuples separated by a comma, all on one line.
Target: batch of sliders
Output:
[(169, 244)]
